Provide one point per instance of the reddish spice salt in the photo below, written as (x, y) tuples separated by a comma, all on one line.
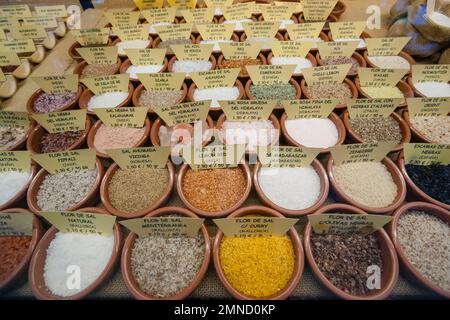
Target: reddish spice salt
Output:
[(12, 252)]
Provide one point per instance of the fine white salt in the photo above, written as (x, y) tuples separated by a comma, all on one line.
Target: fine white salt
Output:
[(361, 42), (254, 133), (11, 183), (440, 18), (390, 62), (237, 23), (290, 188), (191, 66), (134, 70), (300, 62), (131, 44), (313, 133), (216, 43), (216, 94), (107, 100), (87, 253), (284, 23), (433, 88)]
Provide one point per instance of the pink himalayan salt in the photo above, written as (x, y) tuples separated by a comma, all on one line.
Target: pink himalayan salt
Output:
[(116, 138)]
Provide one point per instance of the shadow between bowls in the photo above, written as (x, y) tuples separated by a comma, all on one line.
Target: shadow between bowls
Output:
[(88, 94), (404, 88), (333, 117), (339, 9), (415, 132), (36, 270), (22, 193), (359, 58), (432, 209), (104, 194), (138, 91), (99, 123), (19, 274), (79, 67), (127, 274), (242, 77), (402, 54), (272, 118), (298, 250), (404, 128), (415, 190), (340, 106), (309, 56), (90, 198), (215, 112), (396, 176), (390, 272), (324, 189), (219, 214), (154, 133), (38, 132), (70, 105), (127, 63), (298, 92)]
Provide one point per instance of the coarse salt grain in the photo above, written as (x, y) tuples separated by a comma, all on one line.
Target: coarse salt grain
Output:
[(254, 133), (133, 71), (131, 44), (216, 43), (300, 63), (433, 88), (290, 188), (90, 253), (216, 94), (237, 23), (11, 183), (313, 133), (436, 129), (107, 100), (191, 66), (390, 62), (383, 92)]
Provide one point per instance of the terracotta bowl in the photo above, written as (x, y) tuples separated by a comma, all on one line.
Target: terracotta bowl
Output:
[(215, 112), (242, 76), (309, 56), (98, 124), (80, 66), (174, 58), (38, 132), (88, 94), (104, 193), (37, 265), (278, 36), (418, 135), (127, 63), (339, 9), (324, 188), (353, 88), (414, 189), (298, 92), (73, 53), (127, 274), (138, 91), (71, 105), (298, 250), (90, 198), (333, 117), (21, 194), (154, 133), (234, 38), (115, 42), (389, 276), (181, 174), (22, 142), (18, 275), (364, 35), (359, 58), (169, 52), (392, 229), (404, 128), (401, 85), (402, 54), (396, 176), (273, 118)]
